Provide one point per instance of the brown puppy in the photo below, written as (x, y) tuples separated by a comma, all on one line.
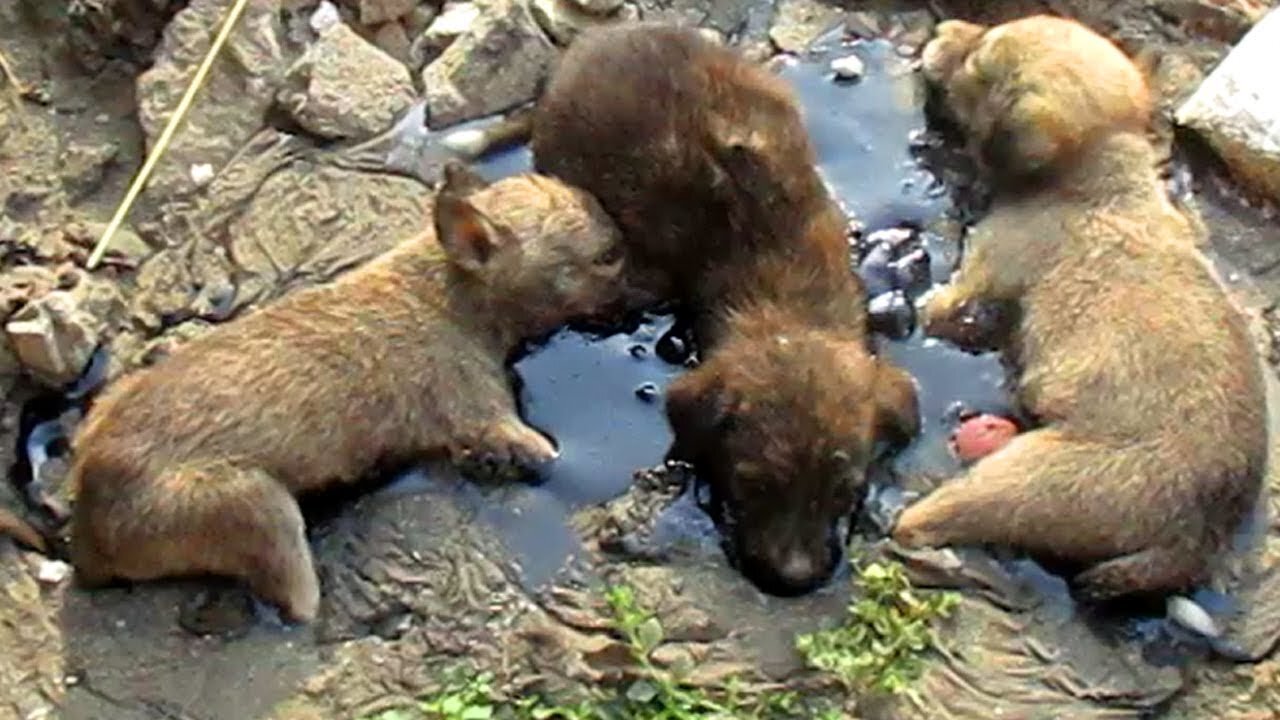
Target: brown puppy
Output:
[(190, 467), (704, 161), (1153, 431)]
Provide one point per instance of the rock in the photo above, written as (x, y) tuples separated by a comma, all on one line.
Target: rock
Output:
[(392, 39), (345, 87), (1224, 20), (598, 7), (55, 335), (83, 165), (497, 64), (231, 106), (32, 667), (564, 19), (800, 22), (52, 572), (316, 222), (849, 67), (1237, 109), (456, 19), (373, 12)]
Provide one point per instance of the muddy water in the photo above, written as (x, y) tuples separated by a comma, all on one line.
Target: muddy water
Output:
[(869, 134), (600, 395)]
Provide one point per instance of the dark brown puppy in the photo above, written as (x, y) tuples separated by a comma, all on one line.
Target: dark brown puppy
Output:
[(191, 466), (703, 160), (1153, 435)]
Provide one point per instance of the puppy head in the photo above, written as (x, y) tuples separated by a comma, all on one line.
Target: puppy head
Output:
[(545, 251), (782, 428), (1032, 93)]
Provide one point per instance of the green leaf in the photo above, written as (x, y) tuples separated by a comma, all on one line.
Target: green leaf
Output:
[(477, 712), (649, 634), (642, 692)]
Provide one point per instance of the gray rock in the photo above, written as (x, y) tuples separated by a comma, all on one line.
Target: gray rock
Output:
[(1237, 109), (598, 7), (232, 104), (497, 64), (345, 87), (373, 12), (54, 336), (799, 22), (564, 19), (455, 19)]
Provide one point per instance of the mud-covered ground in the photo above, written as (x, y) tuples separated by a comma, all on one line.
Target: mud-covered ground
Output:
[(306, 154)]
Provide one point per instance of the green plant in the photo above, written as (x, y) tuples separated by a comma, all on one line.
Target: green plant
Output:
[(463, 698), (880, 647), (659, 693)]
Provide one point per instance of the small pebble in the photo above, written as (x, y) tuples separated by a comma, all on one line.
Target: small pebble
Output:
[(648, 392), (469, 143), (324, 17), (1190, 615), (849, 67), (201, 173), (981, 435), (638, 352), (52, 572)]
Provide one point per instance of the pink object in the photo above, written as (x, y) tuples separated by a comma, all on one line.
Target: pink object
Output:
[(981, 435)]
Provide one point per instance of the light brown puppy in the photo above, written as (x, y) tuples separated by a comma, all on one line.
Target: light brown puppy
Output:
[(191, 466), (1152, 434), (703, 159)]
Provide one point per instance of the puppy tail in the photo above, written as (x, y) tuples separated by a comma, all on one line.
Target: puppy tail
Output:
[(21, 531)]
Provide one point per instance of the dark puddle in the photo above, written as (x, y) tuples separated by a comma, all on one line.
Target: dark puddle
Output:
[(873, 151)]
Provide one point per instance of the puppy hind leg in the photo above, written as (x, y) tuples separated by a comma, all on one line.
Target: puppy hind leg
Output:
[(1152, 570), (209, 519)]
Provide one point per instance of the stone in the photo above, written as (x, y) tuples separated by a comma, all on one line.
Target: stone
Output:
[(564, 19), (345, 87), (499, 63), (392, 39), (455, 19), (233, 102), (799, 22), (82, 166), (849, 67), (374, 12), (1237, 109), (55, 335), (598, 7)]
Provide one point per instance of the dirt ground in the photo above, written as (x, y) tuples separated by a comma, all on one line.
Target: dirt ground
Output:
[(257, 197)]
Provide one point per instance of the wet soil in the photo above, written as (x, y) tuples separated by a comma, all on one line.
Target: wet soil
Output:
[(433, 570)]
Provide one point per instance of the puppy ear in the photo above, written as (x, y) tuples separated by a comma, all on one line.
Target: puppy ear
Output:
[(1028, 138), (952, 42), (897, 407), (460, 179), (467, 236), (694, 409)]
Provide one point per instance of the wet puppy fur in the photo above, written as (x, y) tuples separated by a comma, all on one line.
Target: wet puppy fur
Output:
[(1152, 432), (192, 466), (703, 160)]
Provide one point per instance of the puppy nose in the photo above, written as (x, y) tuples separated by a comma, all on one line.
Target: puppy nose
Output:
[(799, 571)]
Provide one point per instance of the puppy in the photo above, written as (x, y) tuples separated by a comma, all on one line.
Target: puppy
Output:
[(191, 466), (703, 160), (1152, 436)]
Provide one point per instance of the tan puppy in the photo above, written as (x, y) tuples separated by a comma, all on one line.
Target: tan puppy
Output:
[(191, 466), (1149, 395)]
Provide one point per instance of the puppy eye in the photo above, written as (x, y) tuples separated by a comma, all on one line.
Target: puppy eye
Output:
[(611, 255)]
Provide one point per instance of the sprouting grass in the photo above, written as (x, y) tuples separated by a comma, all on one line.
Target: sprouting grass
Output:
[(889, 629), (658, 693)]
